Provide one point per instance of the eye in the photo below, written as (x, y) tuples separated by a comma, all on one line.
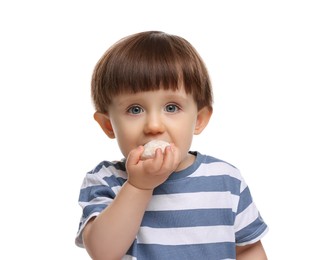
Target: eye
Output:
[(135, 110), (171, 108)]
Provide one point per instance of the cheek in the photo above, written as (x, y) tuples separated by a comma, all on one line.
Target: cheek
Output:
[(124, 136), (186, 135), (129, 137), (126, 139), (121, 128)]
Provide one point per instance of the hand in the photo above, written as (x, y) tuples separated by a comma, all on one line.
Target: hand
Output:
[(150, 173)]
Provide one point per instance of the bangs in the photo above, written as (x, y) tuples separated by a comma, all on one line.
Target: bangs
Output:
[(143, 66), (147, 62)]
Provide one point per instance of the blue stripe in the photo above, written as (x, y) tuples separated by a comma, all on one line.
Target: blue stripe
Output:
[(200, 159), (213, 251), (245, 200), (114, 181), (210, 159), (252, 231), (90, 209), (92, 192), (200, 184), (188, 218)]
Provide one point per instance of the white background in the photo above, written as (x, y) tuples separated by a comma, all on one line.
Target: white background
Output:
[(266, 60)]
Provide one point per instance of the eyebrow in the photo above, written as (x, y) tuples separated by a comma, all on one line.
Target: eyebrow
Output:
[(177, 96)]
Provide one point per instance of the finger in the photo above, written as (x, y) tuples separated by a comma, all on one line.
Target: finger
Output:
[(154, 164), (159, 156), (134, 155), (168, 157), (171, 159)]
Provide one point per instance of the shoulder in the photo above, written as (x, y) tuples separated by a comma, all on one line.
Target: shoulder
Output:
[(109, 173), (217, 166), (224, 171), (108, 166)]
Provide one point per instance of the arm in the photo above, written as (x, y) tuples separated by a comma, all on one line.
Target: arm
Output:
[(111, 233), (251, 252)]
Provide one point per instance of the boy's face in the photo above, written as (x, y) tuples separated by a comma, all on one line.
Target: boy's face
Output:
[(172, 116)]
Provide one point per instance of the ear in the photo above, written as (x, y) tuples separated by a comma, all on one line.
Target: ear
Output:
[(202, 120), (105, 123)]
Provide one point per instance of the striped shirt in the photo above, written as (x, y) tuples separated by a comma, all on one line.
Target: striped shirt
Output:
[(202, 212)]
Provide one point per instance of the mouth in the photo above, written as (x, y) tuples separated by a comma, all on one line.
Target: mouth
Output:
[(153, 141)]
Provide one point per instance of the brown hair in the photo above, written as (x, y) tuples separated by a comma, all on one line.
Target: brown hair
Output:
[(149, 61)]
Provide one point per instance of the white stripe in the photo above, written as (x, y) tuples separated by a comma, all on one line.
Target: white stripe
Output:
[(197, 200), (186, 236), (255, 239), (98, 200), (98, 177), (92, 180), (219, 168), (246, 217), (216, 169)]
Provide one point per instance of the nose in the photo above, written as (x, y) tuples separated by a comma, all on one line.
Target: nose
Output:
[(154, 124)]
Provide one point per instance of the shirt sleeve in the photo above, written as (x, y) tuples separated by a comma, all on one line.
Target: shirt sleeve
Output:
[(249, 225), (95, 195)]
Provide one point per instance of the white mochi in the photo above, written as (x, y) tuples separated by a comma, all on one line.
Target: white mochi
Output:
[(152, 146)]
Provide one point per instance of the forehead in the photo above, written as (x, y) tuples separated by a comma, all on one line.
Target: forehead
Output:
[(177, 95)]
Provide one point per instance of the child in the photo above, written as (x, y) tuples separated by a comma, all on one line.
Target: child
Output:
[(179, 204)]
